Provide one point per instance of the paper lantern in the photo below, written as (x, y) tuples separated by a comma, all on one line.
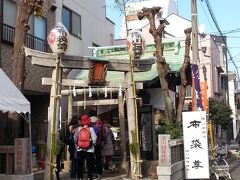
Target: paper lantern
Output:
[(58, 39), (135, 44)]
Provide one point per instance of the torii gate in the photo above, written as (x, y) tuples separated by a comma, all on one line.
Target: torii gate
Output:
[(76, 62)]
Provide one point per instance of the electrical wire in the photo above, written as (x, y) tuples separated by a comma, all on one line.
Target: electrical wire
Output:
[(207, 16), (221, 34)]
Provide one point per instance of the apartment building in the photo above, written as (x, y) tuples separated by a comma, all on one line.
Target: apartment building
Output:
[(33, 89), (88, 26), (212, 67)]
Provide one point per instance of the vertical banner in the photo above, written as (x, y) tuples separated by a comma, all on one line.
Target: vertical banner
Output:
[(164, 150), (22, 156), (195, 145), (204, 95), (197, 93)]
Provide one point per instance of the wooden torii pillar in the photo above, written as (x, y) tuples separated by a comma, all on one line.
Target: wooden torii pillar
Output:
[(75, 62)]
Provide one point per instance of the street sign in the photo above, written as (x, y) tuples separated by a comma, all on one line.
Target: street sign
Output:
[(195, 145)]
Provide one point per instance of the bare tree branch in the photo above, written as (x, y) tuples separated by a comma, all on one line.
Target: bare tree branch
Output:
[(186, 63), (162, 66)]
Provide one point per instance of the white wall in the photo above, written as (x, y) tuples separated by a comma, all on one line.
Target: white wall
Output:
[(168, 6), (177, 25), (231, 86), (95, 28), (156, 97)]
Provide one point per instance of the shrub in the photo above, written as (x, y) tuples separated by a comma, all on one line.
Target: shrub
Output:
[(174, 129)]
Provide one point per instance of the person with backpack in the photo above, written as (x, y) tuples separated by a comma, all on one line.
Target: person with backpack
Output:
[(101, 135), (85, 139)]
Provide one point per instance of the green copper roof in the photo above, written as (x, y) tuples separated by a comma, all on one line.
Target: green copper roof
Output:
[(173, 53)]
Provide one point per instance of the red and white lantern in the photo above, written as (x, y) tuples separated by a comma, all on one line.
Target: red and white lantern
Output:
[(58, 39), (135, 44)]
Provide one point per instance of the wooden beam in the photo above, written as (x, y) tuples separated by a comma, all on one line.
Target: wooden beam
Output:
[(79, 83), (96, 102), (66, 82), (80, 62), (84, 83)]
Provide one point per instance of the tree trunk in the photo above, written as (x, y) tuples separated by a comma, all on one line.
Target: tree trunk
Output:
[(24, 9), (186, 63), (162, 66)]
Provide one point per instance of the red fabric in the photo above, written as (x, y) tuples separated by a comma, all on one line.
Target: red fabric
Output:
[(84, 138), (85, 120)]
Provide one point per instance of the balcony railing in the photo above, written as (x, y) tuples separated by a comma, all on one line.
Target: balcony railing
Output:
[(31, 41)]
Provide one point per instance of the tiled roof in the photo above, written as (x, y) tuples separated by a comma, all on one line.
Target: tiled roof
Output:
[(173, 53)]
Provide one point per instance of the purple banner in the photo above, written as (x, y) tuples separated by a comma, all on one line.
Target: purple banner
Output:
[(195, 74)]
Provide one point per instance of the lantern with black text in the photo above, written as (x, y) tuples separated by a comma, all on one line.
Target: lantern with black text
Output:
[(97, 71), (135, 44), (58, 39)]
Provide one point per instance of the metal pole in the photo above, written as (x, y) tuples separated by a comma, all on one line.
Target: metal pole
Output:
[(52, 134)]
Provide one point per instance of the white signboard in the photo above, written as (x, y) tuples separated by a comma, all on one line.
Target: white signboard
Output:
[(195, 145)]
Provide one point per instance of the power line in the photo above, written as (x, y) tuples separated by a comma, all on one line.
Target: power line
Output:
[(232, 31), (207, 17), (221, 34)]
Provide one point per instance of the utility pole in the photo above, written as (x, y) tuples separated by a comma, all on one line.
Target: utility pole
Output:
[(197, 100), (194, 33)]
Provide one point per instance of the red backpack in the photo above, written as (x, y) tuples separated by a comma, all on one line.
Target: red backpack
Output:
[(84, 137)]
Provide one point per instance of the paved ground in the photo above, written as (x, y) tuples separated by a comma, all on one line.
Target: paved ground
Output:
[(234, 165), (106, 176)]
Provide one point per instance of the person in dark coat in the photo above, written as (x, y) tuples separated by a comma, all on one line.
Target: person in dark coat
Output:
[(59, 151), (71, 146), (108, 148)]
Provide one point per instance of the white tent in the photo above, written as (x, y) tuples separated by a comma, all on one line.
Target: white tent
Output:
[(11, 99)]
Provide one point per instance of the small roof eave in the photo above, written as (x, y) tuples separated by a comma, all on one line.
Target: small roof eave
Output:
[(11, 99)]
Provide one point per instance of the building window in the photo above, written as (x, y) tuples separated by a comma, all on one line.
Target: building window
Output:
[(38, 41), (72, 21), (9, 13), (189, 91), (40, 26)]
